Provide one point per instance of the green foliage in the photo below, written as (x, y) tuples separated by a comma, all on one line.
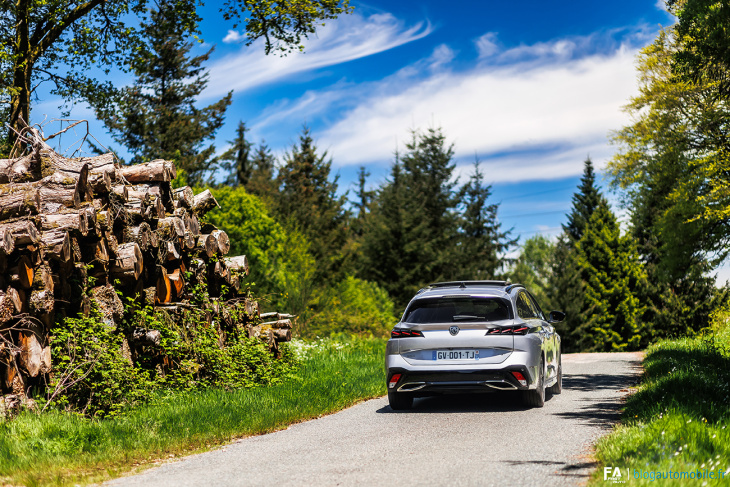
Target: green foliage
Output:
[(680, 417), (66, 449), (613, 279), (92, 376), (236, 160), (351, 307), (156, 117), (307, 203), (585, 202), (533, 268), (282, 268)]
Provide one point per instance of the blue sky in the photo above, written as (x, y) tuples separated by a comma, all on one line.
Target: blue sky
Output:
[(530, 88)]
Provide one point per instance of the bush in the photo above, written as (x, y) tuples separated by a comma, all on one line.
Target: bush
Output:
[(353, 307)]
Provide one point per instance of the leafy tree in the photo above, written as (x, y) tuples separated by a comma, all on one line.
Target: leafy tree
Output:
[(613, 277), (156, 116), (307, 202), (533, 268), (236, 159), (481, 245), (59, 41)]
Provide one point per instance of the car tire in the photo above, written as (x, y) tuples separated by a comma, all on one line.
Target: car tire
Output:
[(536, 398), (399, 401), (557, 388)]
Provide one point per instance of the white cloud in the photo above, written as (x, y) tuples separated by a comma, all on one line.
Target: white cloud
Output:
[(233, 36), (349, 37), (511, 115), (487, 45)]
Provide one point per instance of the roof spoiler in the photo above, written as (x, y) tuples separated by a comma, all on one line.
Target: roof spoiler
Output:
[(464, 284)]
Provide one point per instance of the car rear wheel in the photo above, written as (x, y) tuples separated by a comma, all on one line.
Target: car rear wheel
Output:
[(536, 398), (557, 388), (399, 401)]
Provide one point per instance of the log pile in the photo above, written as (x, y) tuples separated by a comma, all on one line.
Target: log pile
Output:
[(73, 230)]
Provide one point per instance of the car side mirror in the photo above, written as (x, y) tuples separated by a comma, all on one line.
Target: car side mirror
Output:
[(556, 316)]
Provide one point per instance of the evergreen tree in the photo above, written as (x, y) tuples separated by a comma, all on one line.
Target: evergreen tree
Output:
[(585, 201), (567, 287), (533, 268), (262, 182), (235, 161), (613, 278), (481, 245), (307, 201), (157, 116)]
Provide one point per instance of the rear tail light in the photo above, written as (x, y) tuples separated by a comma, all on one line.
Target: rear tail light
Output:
[(405, 333), (520, 378), (508, 330), (393, 381)]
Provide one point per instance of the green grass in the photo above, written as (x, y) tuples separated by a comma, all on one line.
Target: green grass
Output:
[(63, 449), (679, 419)]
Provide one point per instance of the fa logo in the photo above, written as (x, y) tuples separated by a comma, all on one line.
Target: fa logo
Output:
[(612, 473)]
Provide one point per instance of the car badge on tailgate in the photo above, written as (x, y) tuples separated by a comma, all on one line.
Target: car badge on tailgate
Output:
[(454, 330)]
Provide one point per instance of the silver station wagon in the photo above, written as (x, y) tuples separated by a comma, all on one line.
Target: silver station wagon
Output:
[(473, 336)]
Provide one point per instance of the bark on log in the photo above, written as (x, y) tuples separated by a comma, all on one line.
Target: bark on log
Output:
[(42, 302), (129, 262), (140, 234), (177, 284), (51, 163), (204, 202), (95, 251), (7, 308), (19, 170), (142, 337), (77, 221), (163, 286), (282, 335), (56, 244), (12, 294), (183, 197), (43, 278), (121, 192), (109, 304), (208, 244), (157, 170), (7, 242), (169, 251), (278, 324), (23, 232), (170, 228), (237, 264), (20, 203)]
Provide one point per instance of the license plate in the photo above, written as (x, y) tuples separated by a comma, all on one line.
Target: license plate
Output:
[(464, 355)]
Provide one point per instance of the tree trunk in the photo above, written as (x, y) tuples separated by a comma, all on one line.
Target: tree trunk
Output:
[(204, 202)]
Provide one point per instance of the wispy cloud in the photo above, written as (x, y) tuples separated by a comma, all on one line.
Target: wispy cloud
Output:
[(350, 37), (487, 44), (233, 36)]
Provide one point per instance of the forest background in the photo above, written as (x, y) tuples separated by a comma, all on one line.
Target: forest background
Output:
[(348, 263)]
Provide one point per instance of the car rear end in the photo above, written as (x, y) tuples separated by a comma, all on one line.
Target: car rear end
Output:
[(452, 341)]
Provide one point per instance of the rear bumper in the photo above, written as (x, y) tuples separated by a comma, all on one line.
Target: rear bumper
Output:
[(425, 383)]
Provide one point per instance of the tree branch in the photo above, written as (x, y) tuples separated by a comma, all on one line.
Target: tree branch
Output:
[(46, 35)]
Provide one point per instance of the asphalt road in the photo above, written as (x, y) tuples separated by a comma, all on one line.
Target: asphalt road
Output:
[(488, 439)]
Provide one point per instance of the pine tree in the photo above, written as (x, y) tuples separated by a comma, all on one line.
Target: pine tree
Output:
[(613, 278), (157, 117), (481, 244), (585, 201), (262, 182), (235, 161), (307, 201)]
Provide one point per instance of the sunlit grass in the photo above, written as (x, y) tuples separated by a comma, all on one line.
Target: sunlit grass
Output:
[(63, 449), (679, 420)]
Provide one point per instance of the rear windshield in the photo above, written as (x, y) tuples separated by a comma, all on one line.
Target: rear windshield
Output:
[(447, 310)]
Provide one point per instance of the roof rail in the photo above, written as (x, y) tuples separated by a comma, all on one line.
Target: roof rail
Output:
[(513, 286), (464, 284)]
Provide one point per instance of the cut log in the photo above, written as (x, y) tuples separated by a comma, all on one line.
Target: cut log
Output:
[(129, 262), (157, 170), (22, 273), (183, 197), (282, 335), (7, 242), (221, 240), (77, 221), (278, 324), (121, 192), (204, 202), (19, 203), (96, 251), (108, 302), (170, 228), (56, 245), (43, 278), (42, 302), (24, 232), (237, 264), (208, 244), (163, 287), (31, 353), (51, 163), (12, 294), (141, 337), (7, 308), (140, 234), (19, 170), (169, 251), (177, 284)]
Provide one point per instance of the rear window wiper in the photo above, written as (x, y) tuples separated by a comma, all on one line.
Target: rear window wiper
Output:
[(467, 317)]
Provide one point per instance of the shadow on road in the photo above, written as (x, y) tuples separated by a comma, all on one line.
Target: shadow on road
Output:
[(465, 403)]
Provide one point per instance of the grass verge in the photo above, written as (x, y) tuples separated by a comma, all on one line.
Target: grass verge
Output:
[(63, 449), (679, 419)]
